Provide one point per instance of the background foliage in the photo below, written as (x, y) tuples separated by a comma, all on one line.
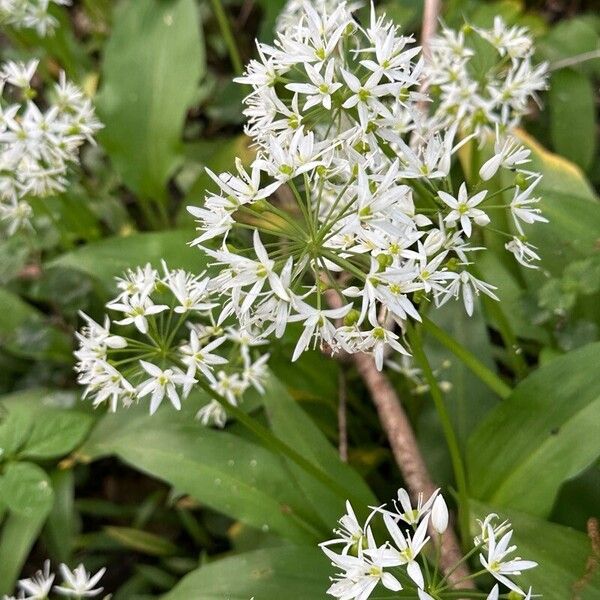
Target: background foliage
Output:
[(174, 509)]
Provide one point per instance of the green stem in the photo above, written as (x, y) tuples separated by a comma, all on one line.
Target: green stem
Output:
[(274, 443), (494, 310), (451, 440), (485, 374), (227, 34)]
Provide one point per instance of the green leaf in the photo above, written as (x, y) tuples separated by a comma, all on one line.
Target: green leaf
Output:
[(270, 574), (545, 433), (141, 541), (26, 490), (60, 527), (107, 259), (290, 423), (564, 556), (153, 62), (24, 331), (19, 533), (572, 208), (573, 116), (570, 38), (55, 433), (231, 475)]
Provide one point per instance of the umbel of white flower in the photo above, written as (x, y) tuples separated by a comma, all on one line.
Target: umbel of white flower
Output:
[(404, 560), (37, 145), (163, 340), (356, 191)]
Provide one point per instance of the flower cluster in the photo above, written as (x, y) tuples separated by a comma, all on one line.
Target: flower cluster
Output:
[(30, 14), (168, 341), (483, 78), (76, 583), (37, 145), (351, 192), (405, 561)]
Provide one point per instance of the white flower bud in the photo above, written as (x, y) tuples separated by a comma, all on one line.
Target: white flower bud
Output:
[(439, 515)]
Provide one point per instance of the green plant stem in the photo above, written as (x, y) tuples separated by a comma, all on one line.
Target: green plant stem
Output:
[(458, 467), (485, 374), (494, 310), (274, 443), (224, 26)]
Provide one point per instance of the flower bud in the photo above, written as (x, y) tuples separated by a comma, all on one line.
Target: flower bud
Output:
[(439, 515)]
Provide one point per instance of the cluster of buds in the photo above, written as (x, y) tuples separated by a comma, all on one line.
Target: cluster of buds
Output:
[(37, 145), (166, 341), (356, 189), (405, 560)]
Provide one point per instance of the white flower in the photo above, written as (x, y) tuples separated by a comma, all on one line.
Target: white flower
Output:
[(19, 74), (522, 209), (212, 414), (469, 286), (508, 154), (408, 547), (316, 324), (199, 357), (463, 209), (411, 515), (161, 383), (79, 583), (523, 252), (38, 587), (496, 564), (361, 574), (350, 533), (439, 514), (320, 89), (137, 308)]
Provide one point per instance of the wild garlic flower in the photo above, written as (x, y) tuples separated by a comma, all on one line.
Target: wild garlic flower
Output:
[(30, 14), (404, 561), (167, 341), (483, 79), (353, 195), (37, 145), (76, 583)]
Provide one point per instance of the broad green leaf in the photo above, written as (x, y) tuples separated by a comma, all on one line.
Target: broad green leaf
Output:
[(41, 425), (271, 574), (141, 541), (572, 208), (25, 489), (573, 116), (108, 258), (221, 470), (290, 423), (60, 527), (545, 433), (152, 65), (564, 556), (570, 38), (25, 332), (17, 537), (55, 433), (468, 399)]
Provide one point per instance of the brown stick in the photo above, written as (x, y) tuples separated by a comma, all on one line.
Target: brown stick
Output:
[(405, 448), (342, 417), (431, 12)]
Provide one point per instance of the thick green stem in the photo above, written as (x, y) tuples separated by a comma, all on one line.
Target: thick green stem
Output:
[(485, 374), (458, 467), (228, 38)]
